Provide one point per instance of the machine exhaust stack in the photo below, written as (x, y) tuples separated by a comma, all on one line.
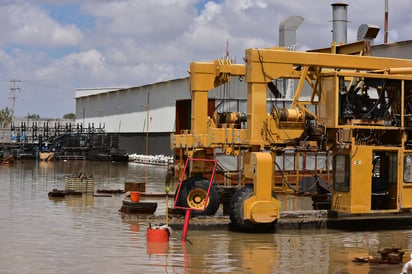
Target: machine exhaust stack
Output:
[(339, 19)]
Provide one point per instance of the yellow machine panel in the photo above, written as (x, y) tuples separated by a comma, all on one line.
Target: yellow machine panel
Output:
[(328, 100), (406, 189)]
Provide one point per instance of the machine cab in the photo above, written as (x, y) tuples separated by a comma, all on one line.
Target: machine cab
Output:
[(370, 179), (366, 179)]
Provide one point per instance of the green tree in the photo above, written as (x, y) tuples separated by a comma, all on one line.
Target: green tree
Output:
[(70, 116), (6, 117), (33, 116)]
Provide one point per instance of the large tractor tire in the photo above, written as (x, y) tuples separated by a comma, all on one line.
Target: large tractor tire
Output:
[(193, 194), (238, 223)]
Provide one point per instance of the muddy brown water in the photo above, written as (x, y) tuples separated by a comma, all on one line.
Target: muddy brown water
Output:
[(86, 234)]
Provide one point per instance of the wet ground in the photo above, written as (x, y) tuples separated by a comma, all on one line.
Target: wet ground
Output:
[(86, 234)]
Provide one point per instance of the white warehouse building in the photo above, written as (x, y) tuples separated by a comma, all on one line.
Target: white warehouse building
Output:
[(135, 113)]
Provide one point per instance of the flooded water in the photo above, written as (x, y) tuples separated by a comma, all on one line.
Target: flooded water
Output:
[(86, 234)]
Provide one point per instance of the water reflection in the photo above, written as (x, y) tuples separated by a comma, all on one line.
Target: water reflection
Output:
[(80, 234), (157, 248), (280, 253), (257, 255), (84, 200)]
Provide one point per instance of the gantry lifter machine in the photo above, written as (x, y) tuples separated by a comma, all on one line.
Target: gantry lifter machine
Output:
[(360, 110)]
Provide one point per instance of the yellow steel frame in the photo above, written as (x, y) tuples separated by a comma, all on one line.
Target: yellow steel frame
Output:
[(262, 66), (261, 207)]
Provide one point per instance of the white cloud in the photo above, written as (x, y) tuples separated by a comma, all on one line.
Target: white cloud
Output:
[(6, 61), (136, 42), (158, 20), (208, 15), (27, 25), (85, 65)]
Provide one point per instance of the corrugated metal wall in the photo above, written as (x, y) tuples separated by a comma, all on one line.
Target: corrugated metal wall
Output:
[(395, 50), (131, 112), (125, 110)]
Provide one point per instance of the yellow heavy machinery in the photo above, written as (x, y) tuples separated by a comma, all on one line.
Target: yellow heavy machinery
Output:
[(359, 109)]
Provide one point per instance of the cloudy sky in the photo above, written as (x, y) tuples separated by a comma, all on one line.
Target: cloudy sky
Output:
[(55, 46)]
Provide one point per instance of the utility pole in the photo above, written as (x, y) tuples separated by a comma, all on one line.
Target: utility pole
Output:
[(13, 88)]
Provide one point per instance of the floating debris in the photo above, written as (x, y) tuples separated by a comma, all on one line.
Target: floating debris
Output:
[(61, 193), (151, 159), (57, 193), (46, 156), (391, 255), (7, 160), (111, 191), (134, 186), (102, 195), (80, 183), (138, 208)]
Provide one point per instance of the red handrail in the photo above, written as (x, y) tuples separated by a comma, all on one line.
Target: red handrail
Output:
[(183, 176), (188, 209)]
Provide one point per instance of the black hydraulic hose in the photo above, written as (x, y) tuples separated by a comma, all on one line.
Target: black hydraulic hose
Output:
[(284, 178), (379, 101)]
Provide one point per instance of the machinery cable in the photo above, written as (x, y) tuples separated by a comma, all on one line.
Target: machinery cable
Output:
[(265, 76), (284, 178)]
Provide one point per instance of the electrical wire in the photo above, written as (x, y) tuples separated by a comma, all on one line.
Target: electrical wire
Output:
[(284, 178)]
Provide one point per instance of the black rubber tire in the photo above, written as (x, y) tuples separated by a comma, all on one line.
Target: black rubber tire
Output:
[(238, 223), (199, 184)]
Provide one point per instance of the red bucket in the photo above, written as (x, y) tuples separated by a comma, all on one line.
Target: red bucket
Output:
[(157, 235), (134, 196)]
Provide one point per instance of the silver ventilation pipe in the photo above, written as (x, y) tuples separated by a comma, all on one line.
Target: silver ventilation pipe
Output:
[(340, 22), (367, 32), (287, 31), (287, 39)]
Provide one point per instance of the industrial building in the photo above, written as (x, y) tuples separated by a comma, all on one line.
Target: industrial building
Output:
[(143, 117)]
